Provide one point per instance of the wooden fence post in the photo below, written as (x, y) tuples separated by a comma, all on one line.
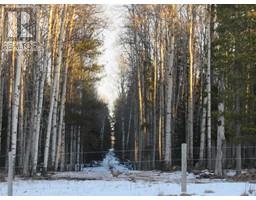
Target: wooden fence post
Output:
[(184, 168), (10, 174)]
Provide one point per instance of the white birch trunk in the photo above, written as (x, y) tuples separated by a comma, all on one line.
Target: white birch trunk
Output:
[(35, 113), (54, 124), (161, 128), (220, 139), (21, 138), (62, 110), (54, 95), (37, 75), (15, 106), (62, 159), (154, 116), (10, 94), (63, 98), (39, 114), (168, 128), (43, 70)]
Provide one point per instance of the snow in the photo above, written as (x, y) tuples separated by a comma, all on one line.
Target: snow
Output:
[(122, 188), (98, 180), (111, 161), (230, 173), (99, 170), (102, 173)]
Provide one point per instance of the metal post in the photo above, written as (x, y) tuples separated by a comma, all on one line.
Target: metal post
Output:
[(10, 174), (184, 168)]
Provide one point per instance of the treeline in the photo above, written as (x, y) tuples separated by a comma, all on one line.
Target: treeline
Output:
[(49, 111), (188, 75)]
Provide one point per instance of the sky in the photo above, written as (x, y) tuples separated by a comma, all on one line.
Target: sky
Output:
[(107, 88)]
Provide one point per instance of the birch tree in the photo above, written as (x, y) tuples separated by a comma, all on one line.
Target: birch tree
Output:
[(54, 87), (220, 139), (64, 89), (168, 129), (1, 74), (15, 106), (190, 97), (42, 72)]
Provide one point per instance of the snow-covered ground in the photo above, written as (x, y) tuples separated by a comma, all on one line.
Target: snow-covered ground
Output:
[(121, 187), (102, 173), (98, 180)]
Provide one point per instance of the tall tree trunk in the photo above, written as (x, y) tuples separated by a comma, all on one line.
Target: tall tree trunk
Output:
[(1, 73), (54, 94), (21, 138), (190, 97), (56, 99), (202, 137), (161, 104), (62, 111), (169, 123), (1, 106), (208, 80), (64, 91), (62, 159), (75, 146), (54, 126), (10, 99), (123, 133), (35, 114), (154, 110), (28, 144), (220, 139), (238, 134), (43, 69), (141, 120), (129, 124), (136, 126), (15, 106), (78, 145), (38, 119), (71, 158)]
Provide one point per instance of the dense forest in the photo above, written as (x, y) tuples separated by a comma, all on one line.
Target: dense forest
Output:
[(186, 75), (49, 109)]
